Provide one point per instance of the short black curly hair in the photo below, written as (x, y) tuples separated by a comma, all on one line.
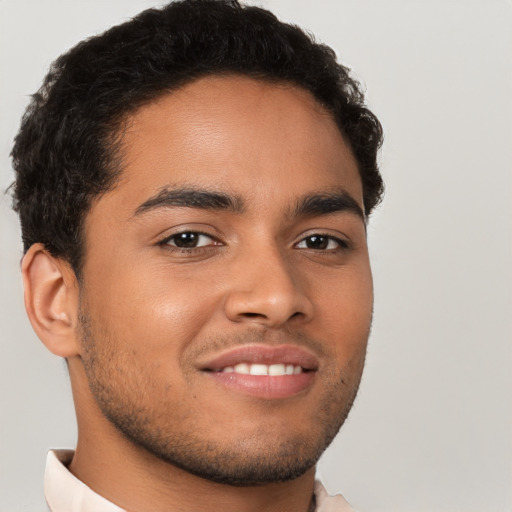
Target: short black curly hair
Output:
[(65, 153)]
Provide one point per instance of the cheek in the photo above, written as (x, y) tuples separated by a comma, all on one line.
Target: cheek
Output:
[(345, 312), (150, 309)]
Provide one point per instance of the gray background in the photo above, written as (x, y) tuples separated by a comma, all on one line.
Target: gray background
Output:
[(432, 427)]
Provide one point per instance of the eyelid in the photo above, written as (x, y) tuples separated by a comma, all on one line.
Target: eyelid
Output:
[(343, 242), (165, 241)]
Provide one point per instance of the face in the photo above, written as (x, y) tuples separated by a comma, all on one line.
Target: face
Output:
[(227, 296)]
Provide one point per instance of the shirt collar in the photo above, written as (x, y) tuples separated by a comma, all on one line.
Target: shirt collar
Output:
[(65, 493)]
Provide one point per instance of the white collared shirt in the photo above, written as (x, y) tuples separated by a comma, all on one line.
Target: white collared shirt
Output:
[(65, 493)]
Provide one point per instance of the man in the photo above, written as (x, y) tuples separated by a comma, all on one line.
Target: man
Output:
[(193, 188)]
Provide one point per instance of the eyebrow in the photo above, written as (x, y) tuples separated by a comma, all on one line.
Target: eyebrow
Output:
[(324, 203), (189, 197), (320, 203)]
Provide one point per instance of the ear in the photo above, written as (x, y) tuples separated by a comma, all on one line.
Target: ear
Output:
[(51, 300)]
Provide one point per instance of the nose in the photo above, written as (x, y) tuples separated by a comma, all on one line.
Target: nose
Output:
[(266, 290)]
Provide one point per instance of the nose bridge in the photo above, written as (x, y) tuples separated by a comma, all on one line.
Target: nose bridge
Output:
[(266, 288)]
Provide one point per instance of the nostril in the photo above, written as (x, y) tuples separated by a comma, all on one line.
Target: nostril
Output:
[(264, 305)]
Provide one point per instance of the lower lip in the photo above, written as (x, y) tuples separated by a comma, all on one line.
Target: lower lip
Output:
[(265, 386)]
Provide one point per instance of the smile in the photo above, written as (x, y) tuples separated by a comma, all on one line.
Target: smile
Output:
[(263, 371), (274, 370)]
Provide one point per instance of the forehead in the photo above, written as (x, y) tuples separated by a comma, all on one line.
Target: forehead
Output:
[(249, 137)]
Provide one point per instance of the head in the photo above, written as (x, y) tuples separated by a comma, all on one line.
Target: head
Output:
[(201, 177), (66, 152)]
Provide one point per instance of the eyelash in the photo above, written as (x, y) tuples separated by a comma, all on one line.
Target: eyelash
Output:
[(165, 242), (342, 245)]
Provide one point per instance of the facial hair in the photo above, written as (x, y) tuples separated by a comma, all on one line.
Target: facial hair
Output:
[(125, 391)]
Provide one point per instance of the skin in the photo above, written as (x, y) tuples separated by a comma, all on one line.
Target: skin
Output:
[(147, 314)]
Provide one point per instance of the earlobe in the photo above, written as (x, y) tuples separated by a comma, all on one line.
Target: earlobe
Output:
[(51, 300)]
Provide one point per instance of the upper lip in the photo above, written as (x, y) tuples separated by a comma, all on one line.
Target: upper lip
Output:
[(262, 354)]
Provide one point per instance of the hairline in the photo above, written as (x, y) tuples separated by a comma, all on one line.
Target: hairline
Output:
[(116, 129)]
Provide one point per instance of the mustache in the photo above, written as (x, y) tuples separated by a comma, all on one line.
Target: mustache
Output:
[(217, 343)]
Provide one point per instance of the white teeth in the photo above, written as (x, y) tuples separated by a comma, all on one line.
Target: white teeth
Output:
[(242, 368), (275, 370), (258, 369)]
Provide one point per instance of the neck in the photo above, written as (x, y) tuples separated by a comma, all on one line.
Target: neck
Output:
[(136, 480)]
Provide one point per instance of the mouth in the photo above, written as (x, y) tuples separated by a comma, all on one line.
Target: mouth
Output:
[(263, 371), (274, 370)]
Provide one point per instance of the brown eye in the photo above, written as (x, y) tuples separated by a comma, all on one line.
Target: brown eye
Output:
[(317, 242), (322, 243), (189, 240)]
